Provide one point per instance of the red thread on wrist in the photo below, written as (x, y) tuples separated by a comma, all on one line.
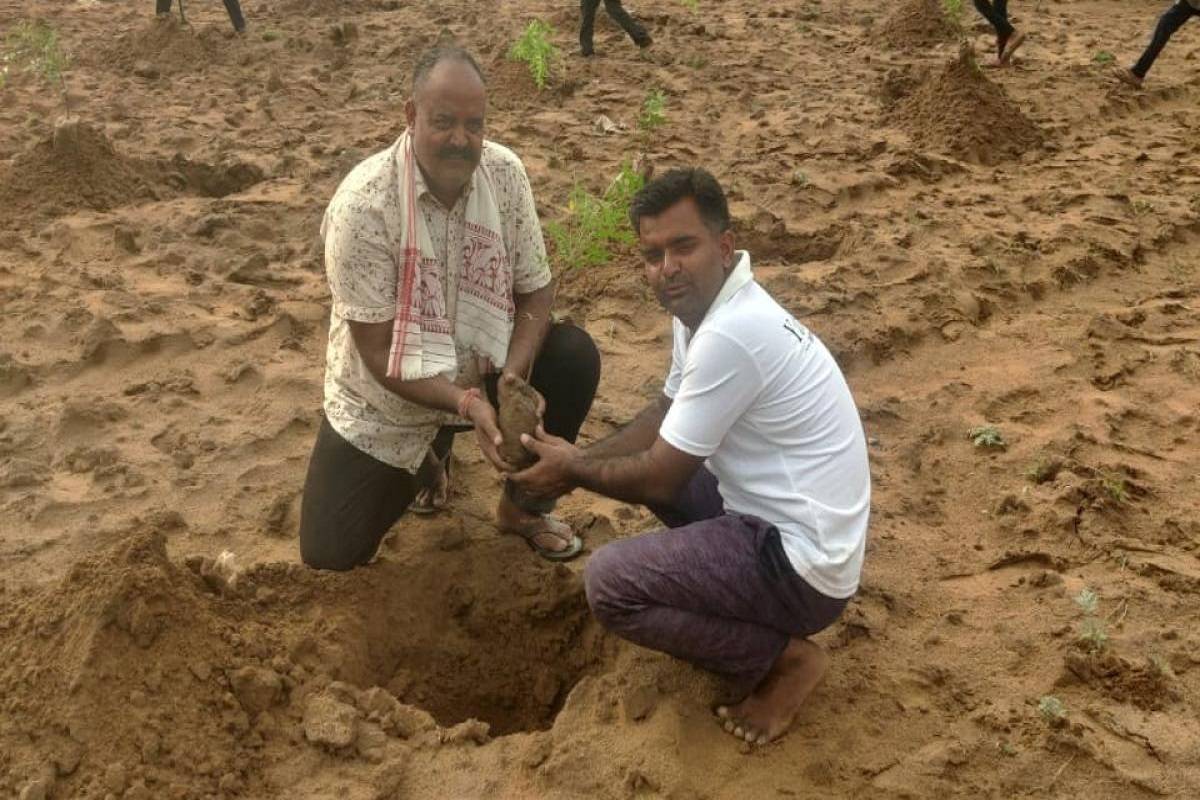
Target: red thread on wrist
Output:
[(464, 401)]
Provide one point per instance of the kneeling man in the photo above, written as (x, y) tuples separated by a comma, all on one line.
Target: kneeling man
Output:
[(755, 458)]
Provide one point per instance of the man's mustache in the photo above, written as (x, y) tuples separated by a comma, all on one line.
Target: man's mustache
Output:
[(464, 153)]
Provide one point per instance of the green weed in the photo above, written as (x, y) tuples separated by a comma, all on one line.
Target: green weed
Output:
[(986, 436), (271, 36), (654, 111), (33, 47), (1104, 57), (1114, 486), (1088, 600), (1092, 632), (1051, 708), (595, 224), (1142, 207), (1043, 470), (693, 5), (953, 9), (536, 51)]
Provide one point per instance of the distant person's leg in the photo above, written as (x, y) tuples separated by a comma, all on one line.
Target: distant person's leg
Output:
[(1171, 21), (631, 26), (587, 25), (235, 15)]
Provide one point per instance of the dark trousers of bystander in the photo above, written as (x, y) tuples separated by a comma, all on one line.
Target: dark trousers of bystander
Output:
[(232, 6), (351, 500), (1171, 21), (996, 13), (587, 25), (715, 589)]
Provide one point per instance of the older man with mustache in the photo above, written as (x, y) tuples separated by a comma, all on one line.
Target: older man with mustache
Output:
[(441, 288)]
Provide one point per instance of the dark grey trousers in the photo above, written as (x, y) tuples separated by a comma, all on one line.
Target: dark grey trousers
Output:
[(714, 589)]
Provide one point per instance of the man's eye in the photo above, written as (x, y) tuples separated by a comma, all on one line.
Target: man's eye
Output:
[(475, 126)]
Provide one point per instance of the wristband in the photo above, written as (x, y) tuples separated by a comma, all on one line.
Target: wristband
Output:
[(464, 401)]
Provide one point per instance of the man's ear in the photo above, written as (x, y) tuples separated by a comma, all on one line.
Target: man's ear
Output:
[(410, 112), (727, 248)]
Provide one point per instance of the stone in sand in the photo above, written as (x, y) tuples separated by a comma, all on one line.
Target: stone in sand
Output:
[(518, 415)]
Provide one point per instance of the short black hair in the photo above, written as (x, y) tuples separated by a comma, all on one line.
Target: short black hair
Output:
[(678, 184), (436, 55)]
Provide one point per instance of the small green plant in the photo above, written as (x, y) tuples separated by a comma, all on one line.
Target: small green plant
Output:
[(1092, 632), (986, 436), (654, 111), (1104, 57), (595, 224), (1043, 470), (536, 51), (1142, 207), (33, 47), (1006, 749), (271, 35), (1051, 708), (953, 9), (1088, 600), (1114, 486), (799, 178), (693, 5)]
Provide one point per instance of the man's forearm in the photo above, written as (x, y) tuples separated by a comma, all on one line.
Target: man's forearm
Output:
[(636, 436), (532, 321), (628, 478)]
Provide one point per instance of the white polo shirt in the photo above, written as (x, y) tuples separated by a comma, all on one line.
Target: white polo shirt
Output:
[(762, 399)]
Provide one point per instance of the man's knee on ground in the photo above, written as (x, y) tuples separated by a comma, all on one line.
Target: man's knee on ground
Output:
[(571, 349), (601, 579), (319, 554)]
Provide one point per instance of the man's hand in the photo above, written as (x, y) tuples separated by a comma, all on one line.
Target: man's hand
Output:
[(550, 476), (483, 416)]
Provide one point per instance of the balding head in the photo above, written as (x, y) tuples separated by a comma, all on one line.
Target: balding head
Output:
[(446, 115)]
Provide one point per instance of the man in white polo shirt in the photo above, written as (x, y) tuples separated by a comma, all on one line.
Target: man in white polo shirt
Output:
[(755, 458)]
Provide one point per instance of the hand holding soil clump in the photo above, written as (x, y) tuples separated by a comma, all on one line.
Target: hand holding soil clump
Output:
[(520, 412)]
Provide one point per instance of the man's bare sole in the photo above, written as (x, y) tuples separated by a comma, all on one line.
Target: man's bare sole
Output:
[(550, 537), (771, 708)]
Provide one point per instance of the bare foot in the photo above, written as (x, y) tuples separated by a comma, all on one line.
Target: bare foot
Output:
[(771, 708), (549, 536), (1016, 40)]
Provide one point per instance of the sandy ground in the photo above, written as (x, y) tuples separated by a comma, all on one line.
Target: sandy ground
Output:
[(1016, 248)]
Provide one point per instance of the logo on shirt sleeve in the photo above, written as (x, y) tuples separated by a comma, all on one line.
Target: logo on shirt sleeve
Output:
[(799, 331)]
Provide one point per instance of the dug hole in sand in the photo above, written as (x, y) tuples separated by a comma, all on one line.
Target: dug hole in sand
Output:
[(136, 676)]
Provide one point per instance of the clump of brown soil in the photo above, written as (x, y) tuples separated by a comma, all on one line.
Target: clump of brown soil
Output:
[(917, 24), (75, 168), (518, 415), (959, 111)]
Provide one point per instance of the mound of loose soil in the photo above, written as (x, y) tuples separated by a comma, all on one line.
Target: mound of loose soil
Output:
[(136, 674), (78, 168), (917, 24), (166, 45), (959, 111), (75, 168)]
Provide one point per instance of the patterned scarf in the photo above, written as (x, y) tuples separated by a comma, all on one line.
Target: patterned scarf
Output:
[(479, 281)]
